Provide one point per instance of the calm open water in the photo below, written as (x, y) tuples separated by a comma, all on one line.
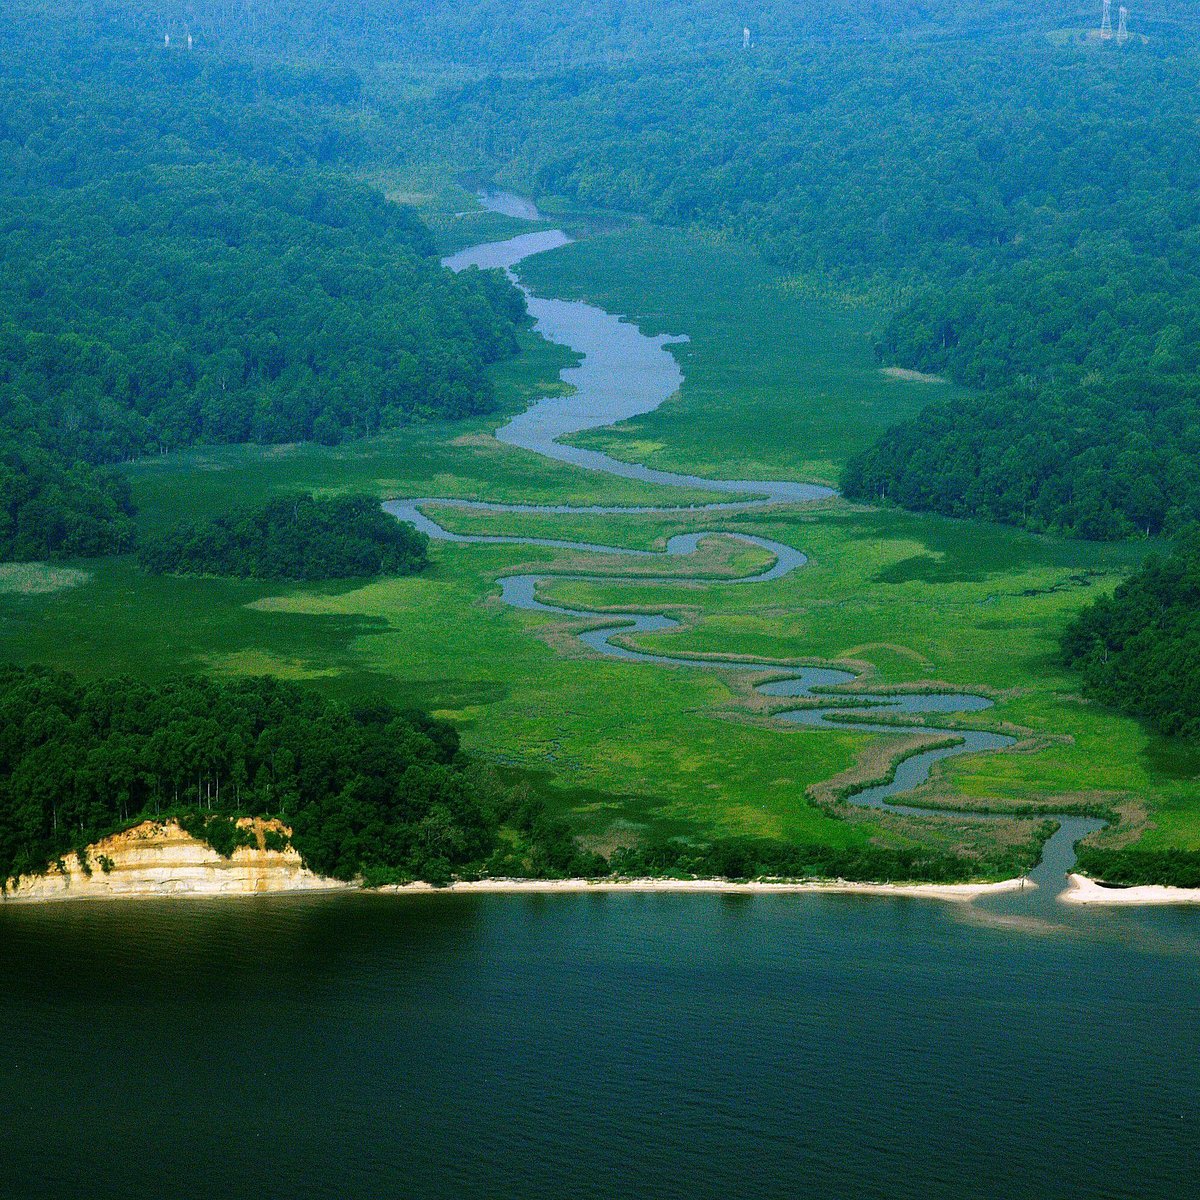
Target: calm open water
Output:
[(587, 1046)]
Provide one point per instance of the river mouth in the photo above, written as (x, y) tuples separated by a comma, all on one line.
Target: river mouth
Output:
[(624, 374)]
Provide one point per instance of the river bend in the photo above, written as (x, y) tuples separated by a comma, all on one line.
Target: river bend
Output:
[(622, 374)]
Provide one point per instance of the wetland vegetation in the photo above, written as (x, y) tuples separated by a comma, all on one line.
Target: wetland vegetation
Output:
[(1021, 199), (694, 758), (357, 367), (812, 508)]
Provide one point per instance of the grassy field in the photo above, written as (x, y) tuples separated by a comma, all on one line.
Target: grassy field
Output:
[(778, 384)]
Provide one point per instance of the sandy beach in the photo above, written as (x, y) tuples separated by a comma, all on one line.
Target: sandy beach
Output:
[(1082, 890), (929, 891), (159, 859)]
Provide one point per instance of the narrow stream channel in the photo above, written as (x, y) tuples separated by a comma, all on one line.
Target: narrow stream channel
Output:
[(624, 373)]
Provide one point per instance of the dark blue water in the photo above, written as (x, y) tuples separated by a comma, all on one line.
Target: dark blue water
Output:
[(594, 1046)]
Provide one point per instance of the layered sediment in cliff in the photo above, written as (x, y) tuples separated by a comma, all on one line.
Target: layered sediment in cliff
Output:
[(162, 859)]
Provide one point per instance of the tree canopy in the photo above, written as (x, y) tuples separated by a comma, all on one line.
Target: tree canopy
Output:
[(1020, 198), (191, 256), (291, 537), (1138, 650), (367, 787)]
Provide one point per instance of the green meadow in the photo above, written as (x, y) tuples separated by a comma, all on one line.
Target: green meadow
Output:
[(779, 382)]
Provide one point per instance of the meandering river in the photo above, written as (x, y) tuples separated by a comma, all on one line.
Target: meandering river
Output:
[(571, 1047), (622, 374)]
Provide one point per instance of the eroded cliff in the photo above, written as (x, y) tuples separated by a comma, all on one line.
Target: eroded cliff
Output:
[(162, 859)]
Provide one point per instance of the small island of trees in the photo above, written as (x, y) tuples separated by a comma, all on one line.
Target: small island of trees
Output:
[(294, 537)]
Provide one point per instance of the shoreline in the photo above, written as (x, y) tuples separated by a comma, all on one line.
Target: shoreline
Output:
[(198, 887), (160, 860), (208, 880), (1083, 890), (198, 874), (959, 892)]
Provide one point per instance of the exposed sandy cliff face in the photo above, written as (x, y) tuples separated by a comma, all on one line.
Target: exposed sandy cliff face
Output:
[(161, 859)]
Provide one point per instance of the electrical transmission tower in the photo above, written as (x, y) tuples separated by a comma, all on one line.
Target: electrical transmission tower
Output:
[(1122, 32), (1106, 21)]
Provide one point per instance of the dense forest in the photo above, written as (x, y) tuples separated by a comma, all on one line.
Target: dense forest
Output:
[(291, 537), (1133, 868), (51, 507), (1139, 649), (1021, 197), (497, 35), (367, 790), (190, 256), (1102, 459)]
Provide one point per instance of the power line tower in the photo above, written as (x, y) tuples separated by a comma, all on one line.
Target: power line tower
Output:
[(1106, 21), (1122, 32)]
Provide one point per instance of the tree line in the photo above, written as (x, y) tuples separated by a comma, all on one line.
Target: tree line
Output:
[(291, 537), (1138, 651), (500, 34), (368, 790), (1127, 867), (1102, 458), (1023, 207)]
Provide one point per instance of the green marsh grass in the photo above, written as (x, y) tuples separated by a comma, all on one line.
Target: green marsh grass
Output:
[(778, 384)]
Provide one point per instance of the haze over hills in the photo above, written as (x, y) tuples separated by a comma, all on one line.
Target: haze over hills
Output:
[(498, 34)]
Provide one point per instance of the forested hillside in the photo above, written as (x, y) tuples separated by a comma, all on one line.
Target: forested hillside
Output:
[(1102, 458), (1022, 198), (188, 258), (495, 35), (370, 789)]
